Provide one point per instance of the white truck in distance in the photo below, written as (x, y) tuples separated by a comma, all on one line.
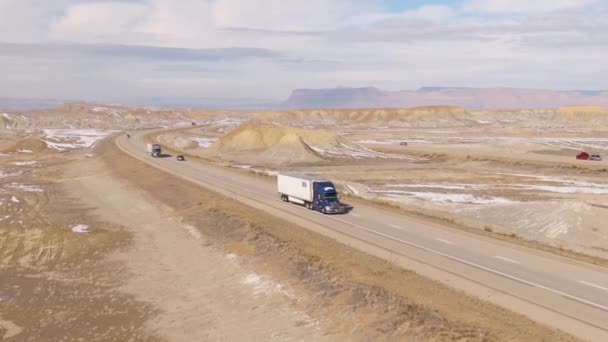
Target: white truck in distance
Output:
[(313, 193), (153, 150)]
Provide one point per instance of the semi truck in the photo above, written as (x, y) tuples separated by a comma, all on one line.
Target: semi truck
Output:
[(153, 150), (311, 192)]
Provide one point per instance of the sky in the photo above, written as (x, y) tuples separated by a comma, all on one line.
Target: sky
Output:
[(125, 50)]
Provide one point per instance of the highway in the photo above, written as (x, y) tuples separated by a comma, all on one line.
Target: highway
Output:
[(553, 290)]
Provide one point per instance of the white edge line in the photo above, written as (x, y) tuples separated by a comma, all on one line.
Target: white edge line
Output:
[(478, 266), (466, 262), (593, 285), (507, 259)]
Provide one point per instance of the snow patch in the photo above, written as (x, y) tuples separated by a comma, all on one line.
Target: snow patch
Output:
[(25, 163), (445, 197), (4, 175), (441, 186), (555, 229), (81, 228), (378, 142), (224, 122), (568, 186), (266, 286), (231, 256), (110, 111), (194, 232), (267, 172), (358, 152), (203, 142), (26, 188), (15, 199), (25, 151), (65, 139), (242, 166)]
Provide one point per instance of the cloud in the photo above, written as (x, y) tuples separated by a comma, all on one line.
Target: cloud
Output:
[(524, 6), (97, 21), (50, 51), (286, 15), (135, 48)]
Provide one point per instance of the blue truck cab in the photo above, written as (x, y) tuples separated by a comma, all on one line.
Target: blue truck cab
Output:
[(326, 198)]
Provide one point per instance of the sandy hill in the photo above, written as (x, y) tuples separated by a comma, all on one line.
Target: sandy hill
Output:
[(271, 144), (263, 143), (592, 117), (419, 116), (91, 115)]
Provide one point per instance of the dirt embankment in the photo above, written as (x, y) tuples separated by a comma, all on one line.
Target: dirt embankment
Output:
[(355, 296)]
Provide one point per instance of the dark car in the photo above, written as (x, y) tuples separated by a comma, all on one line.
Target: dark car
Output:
[(403, 143), (180, 157)]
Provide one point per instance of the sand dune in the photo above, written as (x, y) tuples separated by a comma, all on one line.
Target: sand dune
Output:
[(276, 144), (269, 143)]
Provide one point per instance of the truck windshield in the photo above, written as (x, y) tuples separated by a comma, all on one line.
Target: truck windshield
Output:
[(330, 196)]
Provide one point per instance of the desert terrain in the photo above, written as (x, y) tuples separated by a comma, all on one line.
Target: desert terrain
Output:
[(507, 172), (96, 245)]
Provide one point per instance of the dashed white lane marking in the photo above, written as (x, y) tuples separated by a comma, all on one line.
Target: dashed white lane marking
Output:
[(445, 241), (507, 259), (355, 215), (593, 285), (395, 226)]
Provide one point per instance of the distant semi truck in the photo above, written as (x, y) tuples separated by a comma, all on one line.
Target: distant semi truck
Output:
[(311, 192), (153, 150)]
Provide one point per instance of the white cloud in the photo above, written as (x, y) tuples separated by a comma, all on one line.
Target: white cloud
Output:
[(286, 15), (185, 23), (435, 12), (315, 43), (524, 6), (97, 21)]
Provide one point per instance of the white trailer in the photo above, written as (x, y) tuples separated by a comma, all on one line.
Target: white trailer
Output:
[(313, 193), (296, 188)]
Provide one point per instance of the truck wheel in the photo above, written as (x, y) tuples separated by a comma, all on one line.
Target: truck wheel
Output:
[(308, 205), (284, 198), (323, 210)]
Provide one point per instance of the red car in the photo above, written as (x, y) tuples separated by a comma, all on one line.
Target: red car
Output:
[(583, 156)]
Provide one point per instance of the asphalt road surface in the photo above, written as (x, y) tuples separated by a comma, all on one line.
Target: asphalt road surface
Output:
[(556, 291)]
